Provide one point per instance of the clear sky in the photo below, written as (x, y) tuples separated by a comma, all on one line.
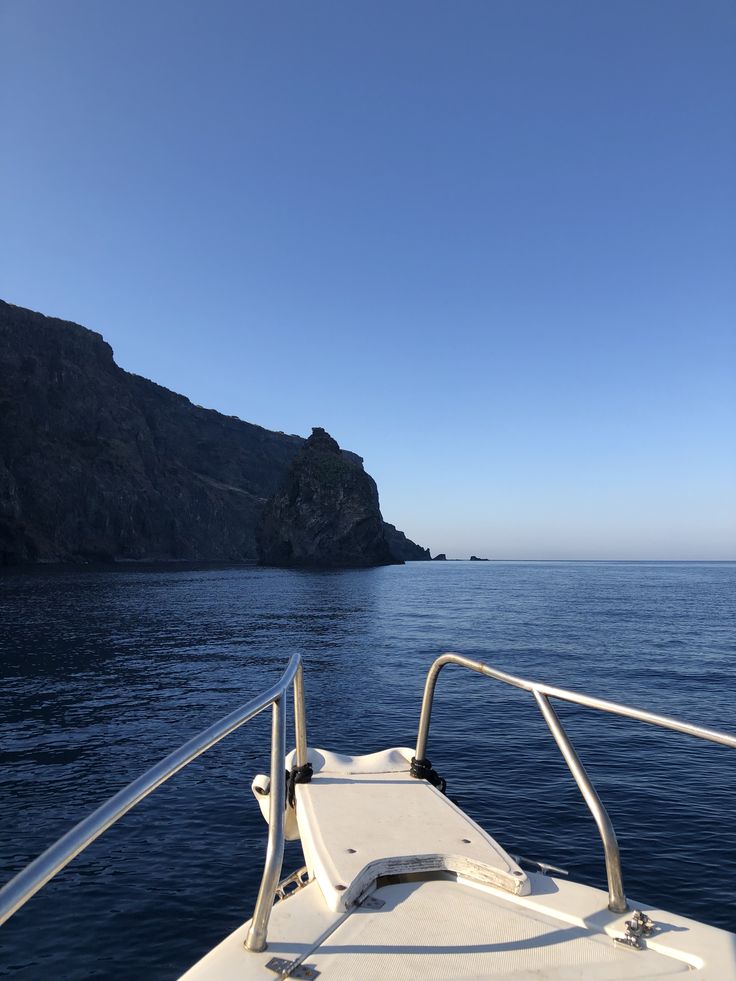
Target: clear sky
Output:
[(490, 246)]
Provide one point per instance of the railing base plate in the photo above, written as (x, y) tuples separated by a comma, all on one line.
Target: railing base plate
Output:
[(288, 969)]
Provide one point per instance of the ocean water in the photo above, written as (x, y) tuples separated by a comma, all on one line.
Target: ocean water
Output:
[(105, 671)]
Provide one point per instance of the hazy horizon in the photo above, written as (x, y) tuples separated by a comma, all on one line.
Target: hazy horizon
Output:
[(490, 248)]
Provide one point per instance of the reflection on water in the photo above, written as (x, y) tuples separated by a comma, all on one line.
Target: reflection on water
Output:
[(104, 672)]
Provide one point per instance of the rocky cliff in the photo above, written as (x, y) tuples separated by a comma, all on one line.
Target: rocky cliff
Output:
[(402, 547), (326, 513), (100, 464)]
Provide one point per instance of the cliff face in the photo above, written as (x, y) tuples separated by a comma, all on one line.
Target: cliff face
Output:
[(402, 547), (325, 513), (99, 464)]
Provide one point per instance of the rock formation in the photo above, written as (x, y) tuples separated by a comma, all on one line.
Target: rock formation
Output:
[(402, 547), (441, 557), (325, 513), (100, 464), (474, 558)]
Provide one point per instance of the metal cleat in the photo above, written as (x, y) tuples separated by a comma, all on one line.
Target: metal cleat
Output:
[(637, 928)]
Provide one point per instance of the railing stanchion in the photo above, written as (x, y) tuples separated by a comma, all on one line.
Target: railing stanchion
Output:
[(256, 939), (300, 718), (616, 897), (428, 696)]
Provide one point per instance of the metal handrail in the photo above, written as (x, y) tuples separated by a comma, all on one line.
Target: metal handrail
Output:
[(19, 890), (542, 694)]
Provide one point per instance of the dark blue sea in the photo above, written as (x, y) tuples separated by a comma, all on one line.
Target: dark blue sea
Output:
[(105, 671)]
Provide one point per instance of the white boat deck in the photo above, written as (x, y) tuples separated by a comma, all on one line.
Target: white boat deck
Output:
[(403, 885), (451, 929), (362, 818)]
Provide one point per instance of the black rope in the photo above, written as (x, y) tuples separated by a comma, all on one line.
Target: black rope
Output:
[(299, 774), (422, 770)]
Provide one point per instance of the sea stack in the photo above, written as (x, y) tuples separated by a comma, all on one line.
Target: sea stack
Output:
[(325, 513)]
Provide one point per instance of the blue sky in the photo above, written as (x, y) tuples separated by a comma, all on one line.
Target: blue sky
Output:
[(488, 245)]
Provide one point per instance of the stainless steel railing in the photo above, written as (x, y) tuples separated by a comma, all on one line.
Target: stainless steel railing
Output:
[(542, 695), (19, 890)]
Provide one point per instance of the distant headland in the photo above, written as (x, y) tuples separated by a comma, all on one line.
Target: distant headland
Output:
[(98, 464)]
